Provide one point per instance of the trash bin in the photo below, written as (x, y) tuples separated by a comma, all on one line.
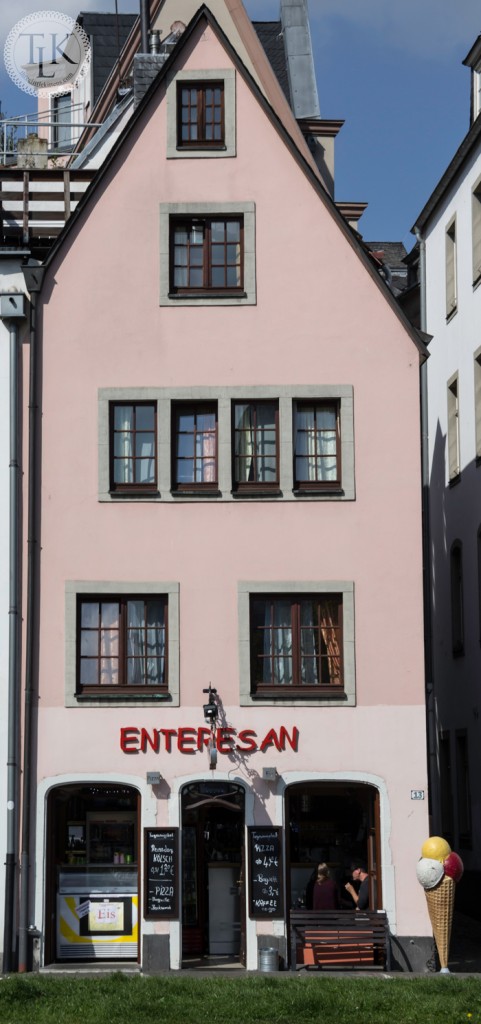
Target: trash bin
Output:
[(34, 937), (268, 959)]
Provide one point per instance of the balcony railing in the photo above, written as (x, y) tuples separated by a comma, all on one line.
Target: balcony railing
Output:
[(61, 132), (35, 204)]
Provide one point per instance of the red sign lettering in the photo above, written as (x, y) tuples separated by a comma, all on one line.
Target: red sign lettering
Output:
[(225, 740), (247, 736), (187, 740), (128, 741), (150, 740), (190, 740), (168, 734)]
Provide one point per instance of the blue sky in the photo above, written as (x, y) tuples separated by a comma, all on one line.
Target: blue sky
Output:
[(393, 72)]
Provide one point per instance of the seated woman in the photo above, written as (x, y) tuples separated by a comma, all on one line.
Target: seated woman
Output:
[(325, 895)]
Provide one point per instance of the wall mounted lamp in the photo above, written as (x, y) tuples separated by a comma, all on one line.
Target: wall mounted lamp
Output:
[(211, 709)]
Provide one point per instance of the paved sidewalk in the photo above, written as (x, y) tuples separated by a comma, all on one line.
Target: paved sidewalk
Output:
[(464, 959), (465, 950)]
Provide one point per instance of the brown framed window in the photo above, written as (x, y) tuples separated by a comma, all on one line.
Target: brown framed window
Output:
[(296, 643), (207, 255), (317, 446), (194, 446), (256, 446), (133, 446), (122, 643), (200, 114)]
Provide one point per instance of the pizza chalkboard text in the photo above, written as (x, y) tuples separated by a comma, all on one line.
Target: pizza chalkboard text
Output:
[(265, 872), (161, 873)]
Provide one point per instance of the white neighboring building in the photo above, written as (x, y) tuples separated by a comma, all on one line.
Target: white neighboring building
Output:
[(21, 236), (4, 523), (449, 231), (12, 301)]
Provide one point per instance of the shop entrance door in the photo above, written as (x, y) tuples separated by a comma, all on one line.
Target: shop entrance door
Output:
[(213, 897), (92, 902), (332, 823)]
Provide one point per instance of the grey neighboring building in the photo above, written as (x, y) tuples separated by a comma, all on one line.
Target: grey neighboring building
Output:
[(448, 231), (108, 34)]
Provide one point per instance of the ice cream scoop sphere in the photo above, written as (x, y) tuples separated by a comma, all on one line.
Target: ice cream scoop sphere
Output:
[(436, 848), (453, 866), (429, 872)]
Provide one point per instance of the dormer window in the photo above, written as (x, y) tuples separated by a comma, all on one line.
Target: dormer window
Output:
[(200, 114)]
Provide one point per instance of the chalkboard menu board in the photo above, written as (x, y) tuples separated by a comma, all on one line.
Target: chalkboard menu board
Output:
[(266, 889), (161, 874)]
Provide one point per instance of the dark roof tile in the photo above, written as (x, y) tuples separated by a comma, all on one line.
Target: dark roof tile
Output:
[(108, 34), (272, 39)]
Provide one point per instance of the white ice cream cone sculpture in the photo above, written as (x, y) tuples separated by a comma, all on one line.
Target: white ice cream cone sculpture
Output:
[(440, 901), (438, 870)]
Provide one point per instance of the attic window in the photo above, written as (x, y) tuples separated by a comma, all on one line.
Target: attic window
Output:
[(200, 114)]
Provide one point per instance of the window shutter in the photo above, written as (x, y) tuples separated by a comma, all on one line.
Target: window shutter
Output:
[(477, 234), (453, 429), (450, 269), (477, 402)]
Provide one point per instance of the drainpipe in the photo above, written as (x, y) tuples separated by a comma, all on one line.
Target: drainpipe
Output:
[(12, 309), (428, 656), (33, 275)]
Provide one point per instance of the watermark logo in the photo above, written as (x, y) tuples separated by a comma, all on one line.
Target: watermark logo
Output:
[(46, 50)]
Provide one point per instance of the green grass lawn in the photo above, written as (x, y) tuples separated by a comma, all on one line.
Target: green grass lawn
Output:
[(118, 999)]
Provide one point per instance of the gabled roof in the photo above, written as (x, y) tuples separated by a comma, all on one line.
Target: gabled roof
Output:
[(391, 258), (393, 253), (474, 56), (251, 51), (299, 152), (462, 155)]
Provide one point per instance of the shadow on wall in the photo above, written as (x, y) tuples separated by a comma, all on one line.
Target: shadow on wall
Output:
[(455, 516)]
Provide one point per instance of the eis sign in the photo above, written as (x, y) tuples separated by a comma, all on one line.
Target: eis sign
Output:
[(189, 740)]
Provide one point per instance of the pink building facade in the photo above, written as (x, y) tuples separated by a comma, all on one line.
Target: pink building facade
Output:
[(229, 498)]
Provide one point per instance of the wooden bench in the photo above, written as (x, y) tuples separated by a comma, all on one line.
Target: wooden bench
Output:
[(328, 939)]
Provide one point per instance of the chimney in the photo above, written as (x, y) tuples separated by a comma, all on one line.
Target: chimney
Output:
[(146, 68), (300, 63), (148, 65), (32, 153)]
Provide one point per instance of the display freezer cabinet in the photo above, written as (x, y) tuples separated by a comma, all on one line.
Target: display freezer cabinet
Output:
[(97, 914)]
